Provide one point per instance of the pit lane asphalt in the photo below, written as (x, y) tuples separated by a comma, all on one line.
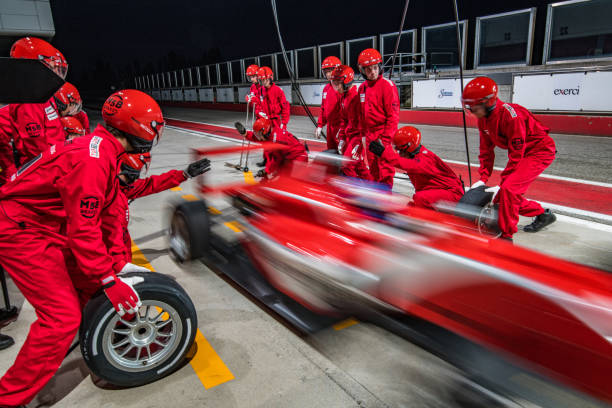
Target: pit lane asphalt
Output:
[(357, 366)]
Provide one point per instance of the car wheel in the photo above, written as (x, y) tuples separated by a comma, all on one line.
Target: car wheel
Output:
[(189, 231), (135, 352)]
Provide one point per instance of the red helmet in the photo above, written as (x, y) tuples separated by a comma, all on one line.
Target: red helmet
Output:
[(265, 73), (67, 95), (132, 163), (368, 57), (252, 70), (262, 125), (35, 48), (135, 114), (407, 138), (480, 91), (330, 62), (343, 74), (72, 126)]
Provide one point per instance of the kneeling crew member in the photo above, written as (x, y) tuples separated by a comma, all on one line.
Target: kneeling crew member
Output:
[(278, 159), (432, 179)]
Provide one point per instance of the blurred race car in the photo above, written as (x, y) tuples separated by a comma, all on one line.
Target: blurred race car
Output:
[(334, 246)]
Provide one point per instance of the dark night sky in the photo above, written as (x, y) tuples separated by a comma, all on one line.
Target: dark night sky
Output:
[(130, 37)]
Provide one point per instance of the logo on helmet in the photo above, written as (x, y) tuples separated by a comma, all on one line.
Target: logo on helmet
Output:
[(113, 104)]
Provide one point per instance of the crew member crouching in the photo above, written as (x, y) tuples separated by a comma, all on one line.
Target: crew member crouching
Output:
[(432, 179)]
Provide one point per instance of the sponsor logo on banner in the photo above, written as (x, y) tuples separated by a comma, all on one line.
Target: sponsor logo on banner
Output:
[(445, 92), (568, 91)]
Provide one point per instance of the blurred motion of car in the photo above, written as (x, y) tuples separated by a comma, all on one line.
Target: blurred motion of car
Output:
[(338, 247)]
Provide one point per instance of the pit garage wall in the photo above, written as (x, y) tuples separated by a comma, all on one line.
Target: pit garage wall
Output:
[(436, 101)]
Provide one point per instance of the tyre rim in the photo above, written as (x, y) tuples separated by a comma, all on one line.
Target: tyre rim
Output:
[(147, 341), (178, 243)]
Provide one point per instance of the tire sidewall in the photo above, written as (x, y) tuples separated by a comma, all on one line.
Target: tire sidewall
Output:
[(98, 313)]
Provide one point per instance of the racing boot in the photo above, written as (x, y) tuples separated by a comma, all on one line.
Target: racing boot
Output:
[(262, 163), (6, 341), (541, 221)]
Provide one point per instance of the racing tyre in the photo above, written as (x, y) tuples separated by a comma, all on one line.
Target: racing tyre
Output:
[(150, 346), (189, 231)]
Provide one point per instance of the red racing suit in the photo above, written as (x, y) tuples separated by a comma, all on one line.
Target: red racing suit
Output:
[(432, 179), (274, 105), (118, 240), (56, 203), (7, 159), (350, 133), (379, 120), (331, 115), (254, 93), (281, 159), (84, 119), (37, 126), (530, 151)]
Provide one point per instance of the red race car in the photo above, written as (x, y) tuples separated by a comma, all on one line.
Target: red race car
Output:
[(316, 246)]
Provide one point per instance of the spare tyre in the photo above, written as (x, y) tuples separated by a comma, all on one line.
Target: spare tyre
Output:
[(135, 352)]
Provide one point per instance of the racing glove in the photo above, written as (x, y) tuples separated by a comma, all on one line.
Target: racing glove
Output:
[(376, 147), (341, 146), (318, 132), (283, 126), (240, 128), (130, 267), (196, 168), (121, 294), (493, 190), (263, 115), (478, 184)]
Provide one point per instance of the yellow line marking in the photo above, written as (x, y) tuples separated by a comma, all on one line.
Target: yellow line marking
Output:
[(177, 188), (213, 210), (234, 226), (190, 197), (248, 178), (345, 323), (206, 363)]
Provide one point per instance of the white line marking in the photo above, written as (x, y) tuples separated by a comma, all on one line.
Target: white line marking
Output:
[(589, 224), (548, 176)]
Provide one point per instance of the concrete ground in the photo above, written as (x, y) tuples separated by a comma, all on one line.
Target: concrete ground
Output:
[(254, 360)]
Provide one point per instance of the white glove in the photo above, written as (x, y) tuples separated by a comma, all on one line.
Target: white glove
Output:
[(493, 190), (340, 146), (282, 126), (478, 184), (263, 115), (130, 267), (318, 132)]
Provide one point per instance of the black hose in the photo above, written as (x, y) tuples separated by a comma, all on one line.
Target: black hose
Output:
[(294, 83), (399, 36), (459, 57)]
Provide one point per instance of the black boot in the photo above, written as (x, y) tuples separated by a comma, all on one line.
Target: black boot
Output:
[(541, 221), (509, 239), (6, 341), (262, 163)]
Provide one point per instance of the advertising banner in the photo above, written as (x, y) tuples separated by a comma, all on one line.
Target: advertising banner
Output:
[(177, 95), (438, 93), (572, 91), (206, 94), (225, 95)]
